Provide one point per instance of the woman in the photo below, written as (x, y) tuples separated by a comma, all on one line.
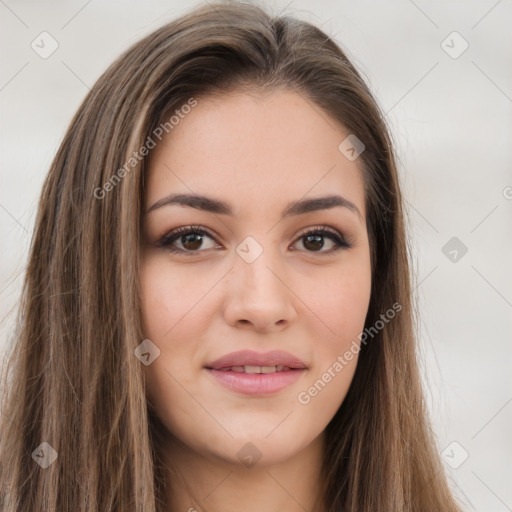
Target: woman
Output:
[(216, 312)]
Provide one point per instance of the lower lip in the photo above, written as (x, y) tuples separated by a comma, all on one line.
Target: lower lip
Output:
[(256, 383)]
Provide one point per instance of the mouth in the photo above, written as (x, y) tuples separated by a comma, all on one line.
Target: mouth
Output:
[(252, 373), (255, 369)]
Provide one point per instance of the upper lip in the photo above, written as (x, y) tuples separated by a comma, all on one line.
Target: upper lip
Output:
[(251, 358)]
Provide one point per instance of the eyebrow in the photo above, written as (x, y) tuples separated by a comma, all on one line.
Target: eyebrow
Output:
[(299, 207)]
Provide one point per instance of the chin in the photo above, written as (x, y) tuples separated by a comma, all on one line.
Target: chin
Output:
[(256, 449)]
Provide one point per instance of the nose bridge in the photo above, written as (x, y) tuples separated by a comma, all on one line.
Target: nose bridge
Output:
[(258, 265)]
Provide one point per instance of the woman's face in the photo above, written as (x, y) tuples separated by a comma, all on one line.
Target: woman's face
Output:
[(247, 277)]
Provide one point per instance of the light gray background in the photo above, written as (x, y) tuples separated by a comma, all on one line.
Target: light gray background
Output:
[(451, 118)]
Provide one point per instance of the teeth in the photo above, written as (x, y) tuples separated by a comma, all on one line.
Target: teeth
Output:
[(257, 369)]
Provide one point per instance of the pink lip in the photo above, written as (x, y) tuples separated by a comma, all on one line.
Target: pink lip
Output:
[(256, 383), (251, 358)]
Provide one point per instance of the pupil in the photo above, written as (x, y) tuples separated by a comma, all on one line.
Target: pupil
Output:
[(317, 239), (189, 239)]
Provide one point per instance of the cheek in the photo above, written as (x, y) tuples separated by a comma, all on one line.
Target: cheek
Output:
[(170, 314), (174, 318), (344, 303), (168, 296), (340, 305), (340, 299)]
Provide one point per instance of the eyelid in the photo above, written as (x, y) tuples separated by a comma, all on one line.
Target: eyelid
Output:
[(342, 241), (319, 227), (164, 240), (339, 239)]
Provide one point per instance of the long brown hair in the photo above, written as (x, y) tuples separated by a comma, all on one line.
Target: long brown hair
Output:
[(71, 379)]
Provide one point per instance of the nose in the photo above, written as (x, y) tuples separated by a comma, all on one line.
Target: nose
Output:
[(259, 295)]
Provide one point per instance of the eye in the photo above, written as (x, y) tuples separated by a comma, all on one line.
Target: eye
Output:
[(313, 240), (191, 239)]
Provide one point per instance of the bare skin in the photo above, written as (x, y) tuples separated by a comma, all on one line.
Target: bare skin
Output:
[(303, 296)]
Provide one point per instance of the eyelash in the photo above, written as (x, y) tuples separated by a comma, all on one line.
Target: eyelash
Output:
[(167, 240)]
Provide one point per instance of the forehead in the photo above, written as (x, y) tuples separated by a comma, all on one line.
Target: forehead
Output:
[(255, 151)]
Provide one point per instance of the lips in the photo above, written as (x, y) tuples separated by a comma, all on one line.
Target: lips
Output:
[(248, 361), (252, 373)]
